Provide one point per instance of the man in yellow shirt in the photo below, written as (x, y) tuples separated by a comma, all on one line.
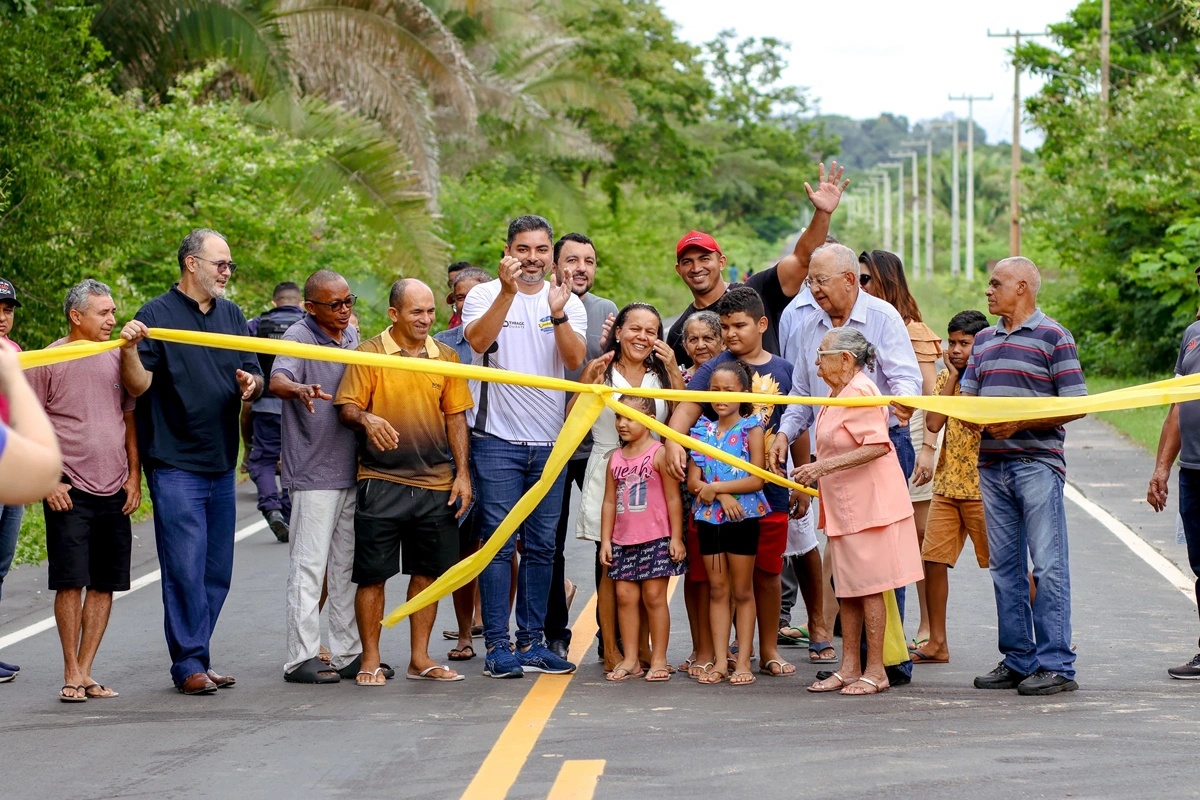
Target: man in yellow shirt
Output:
[(409, 426)]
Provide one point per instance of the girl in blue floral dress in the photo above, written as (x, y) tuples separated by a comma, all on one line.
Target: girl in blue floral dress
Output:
[(729, 502)]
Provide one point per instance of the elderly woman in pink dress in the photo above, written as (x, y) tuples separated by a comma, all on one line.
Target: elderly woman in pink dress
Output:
[(865, 510)]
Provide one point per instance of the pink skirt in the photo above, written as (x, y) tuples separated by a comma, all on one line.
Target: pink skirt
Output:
[(876, 559)]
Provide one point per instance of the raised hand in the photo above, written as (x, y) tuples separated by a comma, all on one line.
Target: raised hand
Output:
[(509, 274), (594, 371), (560, 293), (828, 193), (248, 384)]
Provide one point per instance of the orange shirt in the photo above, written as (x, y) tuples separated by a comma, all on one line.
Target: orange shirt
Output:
[(868, 496), (416, 405)]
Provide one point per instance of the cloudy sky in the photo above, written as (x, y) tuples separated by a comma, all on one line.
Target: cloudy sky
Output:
[(863, 57)]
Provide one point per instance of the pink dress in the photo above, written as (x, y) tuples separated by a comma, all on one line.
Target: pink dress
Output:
[(865, 510)]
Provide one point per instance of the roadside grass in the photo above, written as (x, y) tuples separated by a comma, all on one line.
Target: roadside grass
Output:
[(1142, 425)]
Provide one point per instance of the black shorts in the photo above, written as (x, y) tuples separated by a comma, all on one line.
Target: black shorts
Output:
[(389, 515), (734, 538), (89, 545)]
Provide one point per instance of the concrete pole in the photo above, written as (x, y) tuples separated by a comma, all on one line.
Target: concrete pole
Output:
[(1105, 40), (971, 180), (929, 210), (888, 241), (955, 206)]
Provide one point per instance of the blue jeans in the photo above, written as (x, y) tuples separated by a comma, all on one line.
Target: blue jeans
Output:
[(503, 472), (266, 445), (1026, 521), (1189, 509), (10, 529), (194, 518)]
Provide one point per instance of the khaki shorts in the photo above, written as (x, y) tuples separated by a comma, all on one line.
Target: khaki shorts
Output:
[(950, 522)]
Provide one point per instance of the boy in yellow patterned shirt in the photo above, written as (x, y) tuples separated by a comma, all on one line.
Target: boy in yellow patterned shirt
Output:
[(956, 511)]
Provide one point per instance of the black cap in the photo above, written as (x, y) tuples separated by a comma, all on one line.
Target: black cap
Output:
[(8, 294)]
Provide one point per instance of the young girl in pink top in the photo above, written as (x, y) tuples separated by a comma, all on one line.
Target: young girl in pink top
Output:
[(641, 540)]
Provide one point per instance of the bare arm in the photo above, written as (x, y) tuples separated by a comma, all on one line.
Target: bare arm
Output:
[(674, 500), (133, 484), (482, 333), (1169, 444), (1005, 430), (379, 431), (855, 458), (608, 517), (286, 389), (456, 431), (31, 462), (571, 346), (134, 377), (793, 268)]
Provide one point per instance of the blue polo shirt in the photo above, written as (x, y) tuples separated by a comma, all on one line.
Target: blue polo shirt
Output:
[(188, 418), (1035, 359)]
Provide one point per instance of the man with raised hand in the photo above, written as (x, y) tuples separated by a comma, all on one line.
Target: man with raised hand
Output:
[(523, 323), (189, 401), (575, 263), (321, 546), (1022, 469), (701, 265), (88, 535), (413, 483)]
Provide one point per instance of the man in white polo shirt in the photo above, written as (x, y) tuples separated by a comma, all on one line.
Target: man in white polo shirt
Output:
[(523, 323)]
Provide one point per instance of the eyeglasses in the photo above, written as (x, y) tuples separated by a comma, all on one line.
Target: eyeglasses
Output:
[(337, 305), (819, 281), (864, 278), (221, 266)]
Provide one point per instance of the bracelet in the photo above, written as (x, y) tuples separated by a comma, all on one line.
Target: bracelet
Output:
[(929, 445)]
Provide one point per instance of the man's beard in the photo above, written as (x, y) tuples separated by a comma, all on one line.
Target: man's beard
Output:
[(210, 285)]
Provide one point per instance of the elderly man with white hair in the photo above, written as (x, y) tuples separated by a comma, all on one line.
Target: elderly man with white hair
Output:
[(1022, 470)]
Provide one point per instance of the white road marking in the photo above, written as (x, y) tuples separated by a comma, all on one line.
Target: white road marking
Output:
[(1161, 564), (140, 583)]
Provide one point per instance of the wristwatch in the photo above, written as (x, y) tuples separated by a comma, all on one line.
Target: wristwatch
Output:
[(559, 320)]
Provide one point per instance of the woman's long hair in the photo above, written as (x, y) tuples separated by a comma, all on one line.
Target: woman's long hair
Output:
[(888, 272), (653, 363)]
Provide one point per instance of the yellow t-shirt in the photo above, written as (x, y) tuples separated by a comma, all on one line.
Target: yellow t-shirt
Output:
[(957, 474), (416, 404)]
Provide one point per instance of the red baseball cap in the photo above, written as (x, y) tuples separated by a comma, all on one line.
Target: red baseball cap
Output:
[(697, 239)]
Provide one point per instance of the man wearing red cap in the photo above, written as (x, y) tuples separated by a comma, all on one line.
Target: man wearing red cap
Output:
[(699, 261)]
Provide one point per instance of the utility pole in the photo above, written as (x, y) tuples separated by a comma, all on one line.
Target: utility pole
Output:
[(888, 242), (928, 208), (1014, 194), (955, 222), (1105, 42), (914, 266), (971, 179)]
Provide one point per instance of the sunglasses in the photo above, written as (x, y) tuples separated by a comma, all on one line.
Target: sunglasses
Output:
[(337, 305), (864, 278)]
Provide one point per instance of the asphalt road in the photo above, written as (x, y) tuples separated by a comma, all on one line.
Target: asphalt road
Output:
[(1129, 731)]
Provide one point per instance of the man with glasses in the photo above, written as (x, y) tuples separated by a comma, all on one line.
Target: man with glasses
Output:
[(274, 503), (841, 302), (189, 399), (322, 489)]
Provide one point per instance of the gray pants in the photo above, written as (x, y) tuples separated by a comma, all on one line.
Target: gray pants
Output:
[(321, 545)]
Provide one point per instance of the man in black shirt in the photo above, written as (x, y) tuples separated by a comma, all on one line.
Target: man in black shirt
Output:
[(700, 263), (189, 399)]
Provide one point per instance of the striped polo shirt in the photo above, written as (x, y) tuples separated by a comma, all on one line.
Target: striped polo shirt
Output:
[(1035, 359)]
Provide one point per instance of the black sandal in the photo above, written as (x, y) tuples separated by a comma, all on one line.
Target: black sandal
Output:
[(313, 671), (79, 697)]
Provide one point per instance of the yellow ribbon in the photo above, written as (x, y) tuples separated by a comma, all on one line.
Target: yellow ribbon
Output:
[(593, 398)]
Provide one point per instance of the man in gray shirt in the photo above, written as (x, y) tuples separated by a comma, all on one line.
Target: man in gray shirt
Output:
[(575, 262), (320, 469), (1180, 438)]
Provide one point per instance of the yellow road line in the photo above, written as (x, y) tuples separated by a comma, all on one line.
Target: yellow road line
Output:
[(503, 764), (577, 780)]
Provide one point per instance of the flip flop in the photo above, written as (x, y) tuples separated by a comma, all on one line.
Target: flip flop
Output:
[(792, 639), (913, 644), (424, 675), (663, 673), (373, 673), (704, 668), (765, 669), (875, 688), (621, 674), (742, 682), (687, 664), (76, 698), (464, 653), (103, 693), (476, 633), (816, 648), (920, 658), (817, 689), (313, 671), (706, 678)]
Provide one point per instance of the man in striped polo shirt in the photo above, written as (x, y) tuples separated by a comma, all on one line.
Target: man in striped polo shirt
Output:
[(1021, 475)]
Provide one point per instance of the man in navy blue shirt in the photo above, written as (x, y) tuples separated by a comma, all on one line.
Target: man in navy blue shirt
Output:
[(189, 399)]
